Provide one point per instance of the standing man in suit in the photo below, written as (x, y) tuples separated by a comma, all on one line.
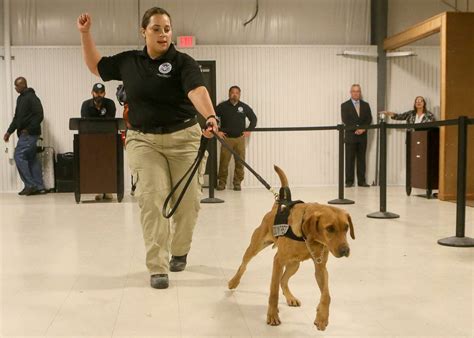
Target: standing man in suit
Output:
[(356, 112)]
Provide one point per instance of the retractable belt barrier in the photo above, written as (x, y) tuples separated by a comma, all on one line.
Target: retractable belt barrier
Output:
[(460, 240)]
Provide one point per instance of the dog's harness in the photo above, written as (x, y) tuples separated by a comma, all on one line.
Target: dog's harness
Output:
[(280, 225)]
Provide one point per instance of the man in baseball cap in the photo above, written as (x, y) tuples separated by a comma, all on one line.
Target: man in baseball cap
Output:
[(99, 105)]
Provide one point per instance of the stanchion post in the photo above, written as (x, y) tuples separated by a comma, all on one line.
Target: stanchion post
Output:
[(341, 199), (383, 213), (212, 149), (460, 240), (408, 163)]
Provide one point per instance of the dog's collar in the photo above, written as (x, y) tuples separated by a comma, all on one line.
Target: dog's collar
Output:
[(317, 260)]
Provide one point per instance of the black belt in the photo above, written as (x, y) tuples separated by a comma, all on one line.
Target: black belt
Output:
[(167, 129)]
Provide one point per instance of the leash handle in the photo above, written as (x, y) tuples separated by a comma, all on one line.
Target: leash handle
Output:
[(192, 169)]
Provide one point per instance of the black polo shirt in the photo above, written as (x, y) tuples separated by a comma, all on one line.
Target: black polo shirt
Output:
[(233, 118), (157, 90), (107, 109)]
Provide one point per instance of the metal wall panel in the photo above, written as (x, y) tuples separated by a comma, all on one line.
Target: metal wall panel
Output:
[(219, 22), (286, 86), (294, 86)]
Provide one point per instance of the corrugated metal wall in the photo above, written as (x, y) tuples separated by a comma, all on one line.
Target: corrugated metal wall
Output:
[(213, 22), (409, 77), (287, 86), (294, 86)]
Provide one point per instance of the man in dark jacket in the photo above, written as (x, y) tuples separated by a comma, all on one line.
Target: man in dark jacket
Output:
[(356, 112), (233, 114), (27, 123)]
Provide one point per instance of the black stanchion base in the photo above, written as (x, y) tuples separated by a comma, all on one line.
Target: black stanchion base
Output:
[(383, 214), (341, 201), (212, 200), (459, 242)]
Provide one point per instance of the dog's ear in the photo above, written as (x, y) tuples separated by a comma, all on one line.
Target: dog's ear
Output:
[(311, 224), (351, 226)]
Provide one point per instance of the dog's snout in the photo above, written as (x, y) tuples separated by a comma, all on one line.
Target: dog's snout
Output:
[(344, 251)]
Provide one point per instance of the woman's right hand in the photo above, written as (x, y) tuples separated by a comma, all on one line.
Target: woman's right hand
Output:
[(84, 22), (388, 113)]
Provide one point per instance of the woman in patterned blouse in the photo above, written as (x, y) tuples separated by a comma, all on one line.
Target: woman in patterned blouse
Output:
[(419, 113)]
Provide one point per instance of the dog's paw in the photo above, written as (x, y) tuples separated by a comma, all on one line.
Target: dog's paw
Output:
[(292, 301), (273, 318), (321, 321), (233, 283)]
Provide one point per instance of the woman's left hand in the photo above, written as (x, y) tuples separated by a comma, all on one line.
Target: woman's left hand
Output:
[(212, 126)]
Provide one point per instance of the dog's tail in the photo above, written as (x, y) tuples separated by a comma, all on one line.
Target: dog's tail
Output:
[(281, 174)]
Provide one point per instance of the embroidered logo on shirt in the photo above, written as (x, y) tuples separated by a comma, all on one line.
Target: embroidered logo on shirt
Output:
[(240, 109), (103, 111), (165, 68)]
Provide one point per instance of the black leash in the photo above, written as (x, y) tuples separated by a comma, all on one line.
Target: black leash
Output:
[(193, 169), (238, 158)]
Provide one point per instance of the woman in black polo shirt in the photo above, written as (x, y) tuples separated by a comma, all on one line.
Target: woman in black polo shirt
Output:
[(165, 90)]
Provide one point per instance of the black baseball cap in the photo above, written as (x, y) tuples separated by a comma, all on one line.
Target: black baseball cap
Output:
[(98, 87)]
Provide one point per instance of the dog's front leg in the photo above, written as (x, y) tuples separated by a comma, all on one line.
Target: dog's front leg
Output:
[(272, 315), (322, 311)]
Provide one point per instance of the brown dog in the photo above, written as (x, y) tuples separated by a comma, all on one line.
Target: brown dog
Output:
[(324, 230)]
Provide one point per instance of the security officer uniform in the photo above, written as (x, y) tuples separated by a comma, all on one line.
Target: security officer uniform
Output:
[(233, 119), (162, 143)]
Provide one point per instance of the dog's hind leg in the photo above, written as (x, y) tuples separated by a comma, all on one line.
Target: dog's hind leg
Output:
[(290, 270), (257, 244)]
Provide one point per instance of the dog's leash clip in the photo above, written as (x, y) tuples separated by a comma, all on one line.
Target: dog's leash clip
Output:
[(275, 194)]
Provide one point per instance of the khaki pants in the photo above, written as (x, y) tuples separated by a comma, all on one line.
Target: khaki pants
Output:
[(158, 162), (238, 145)]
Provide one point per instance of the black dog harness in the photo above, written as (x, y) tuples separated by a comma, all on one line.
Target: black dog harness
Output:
[(280, 225)]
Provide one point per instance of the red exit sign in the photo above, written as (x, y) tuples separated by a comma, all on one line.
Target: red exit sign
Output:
[(187, 41)]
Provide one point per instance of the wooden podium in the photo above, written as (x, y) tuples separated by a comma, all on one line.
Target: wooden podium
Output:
[(98, 156), (422, 160)]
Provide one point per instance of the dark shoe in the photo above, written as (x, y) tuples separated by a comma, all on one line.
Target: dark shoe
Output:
[(178, 263), (23, 192), (220, 186), (38, 192), (31, 192), (237, 187), (365, 185), (159, 281), (349, 185)]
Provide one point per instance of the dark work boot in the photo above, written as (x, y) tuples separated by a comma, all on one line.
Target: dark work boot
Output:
[(159, 281), (178, 263), (24, 191)]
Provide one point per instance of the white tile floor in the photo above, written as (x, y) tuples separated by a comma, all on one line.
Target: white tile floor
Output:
[(78, 270)]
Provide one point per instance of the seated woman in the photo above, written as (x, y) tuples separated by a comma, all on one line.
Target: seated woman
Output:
[(419, 114)]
